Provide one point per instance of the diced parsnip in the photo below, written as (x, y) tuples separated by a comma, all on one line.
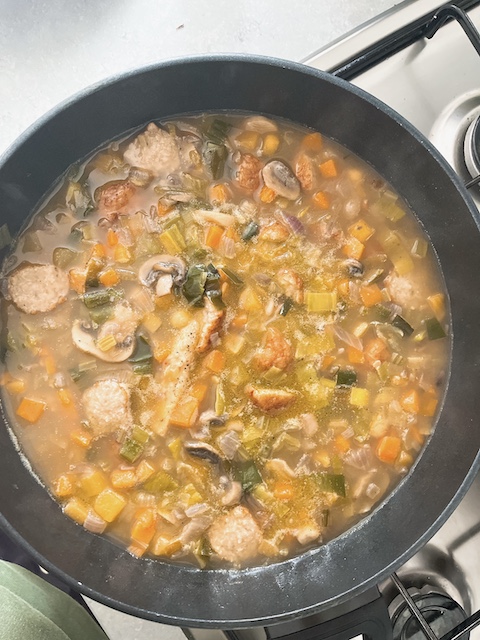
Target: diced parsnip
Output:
[(123, 478), (185, 413), (361, 231), (378, 426), (215, 361), (163, 546), (214, 236), (271, 142), (248, 140), (321, 301), (63, 486), (122, 254), (328, 169), (77, 278), (109, 504), (77, 510), (219, 193), (312, 141), (437, 304), (359, 397), (93, 483), (249, 301), (15, 386), (355, 356), (410, 401), (180, 319), (151, 322), (144, 526), (353, 248), (172, 239), (112, 238), (81, 437), (398, 253), (321, 200), (267, 195), (342, 444), (234, 342), (109, 278), (31, 410), (144, 471), (371, 295), (388, 449)]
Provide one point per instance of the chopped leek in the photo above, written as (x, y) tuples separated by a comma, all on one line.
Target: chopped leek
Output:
[(248, 475), (346, 378), (173, 240), (434, 329), (98, 297), (397, 252), (251, 230), (402, 324), (131, 449), (63, 257), (331, 483), (160, 482)]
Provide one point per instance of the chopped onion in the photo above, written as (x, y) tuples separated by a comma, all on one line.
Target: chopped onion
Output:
[(94, 523), (194, 529), (145, 499), (196, 510), (142, 300), (360, 458), (124, 236), (372, 490), (348, 433), (227, 247), (229, 443), (348, 338), (293, 222), (309, 424)]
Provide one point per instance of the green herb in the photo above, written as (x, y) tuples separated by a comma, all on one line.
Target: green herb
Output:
[(248, 475), (402, 324), (286, 306), (63, 257), (215, 156), (434, 329), (331, 483), (194, 286), (217, 131), (142, 357), (160, 482), (251, 230), (131, 449), (101, 314), (346, 378)]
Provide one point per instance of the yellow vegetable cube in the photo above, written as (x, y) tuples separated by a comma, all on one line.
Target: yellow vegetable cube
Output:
[(359, 397), (77, 510), (93, 483), (271, 142), (151, 322), (144, 471), (109, 504), (249, 301)]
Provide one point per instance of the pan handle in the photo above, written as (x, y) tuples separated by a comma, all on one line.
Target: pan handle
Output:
[(369, 621)]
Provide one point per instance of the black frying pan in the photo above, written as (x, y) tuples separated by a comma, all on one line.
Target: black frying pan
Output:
[(425, 498)]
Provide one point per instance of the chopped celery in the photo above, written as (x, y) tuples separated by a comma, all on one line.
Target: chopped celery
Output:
[(98, 297), (321, 301), (106, 343), (402, 324), (346, 378), (160, 482), (139, 435), (173, 240), (251, 230), (331, 483), (131, 449), (388, 207), (232, 276), (63, 257), (315, 345), (382, 312), (248, 475), (434, 329), (143, 368)]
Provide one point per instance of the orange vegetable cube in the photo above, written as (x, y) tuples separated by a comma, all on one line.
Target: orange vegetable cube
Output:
[(122, 254), (342, 444), (321, 199), (361, 231), (63, 486), (327, 361), (355, 356), (123, 478), (77, 510), (77, 278), (312, 141), (163, 208), (353, 248), (31, 410), (98, 251), (65, 396), (109, 278), (388, 449), (328, 169), (219, 193), (198, 391), (143, 528), (109, 504), (215, 361), (267, 195), (376, 349), (81, 437), (185, 413), (370, 295), (428, 404), (284, 490), (214, 236), (410, 401), (112, 238)]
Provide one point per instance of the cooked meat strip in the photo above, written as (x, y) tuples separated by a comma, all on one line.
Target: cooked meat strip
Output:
[(235, 536), (270, 400), (38, 288), (276, 352), (304, 171), (212, 323), (107, 406), (155, 150)]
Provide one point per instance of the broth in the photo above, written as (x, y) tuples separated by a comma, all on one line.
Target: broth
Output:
[(226, 340)]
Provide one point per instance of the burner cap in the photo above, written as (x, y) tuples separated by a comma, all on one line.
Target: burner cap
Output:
[(440, 611), (471, 147)]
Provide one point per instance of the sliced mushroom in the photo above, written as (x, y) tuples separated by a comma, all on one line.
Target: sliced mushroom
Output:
[(280, 468), (279, 177), (203, 451), (212, 419), (162, 272), (233, 493), (260, 124), (354, 268), (83, 337)]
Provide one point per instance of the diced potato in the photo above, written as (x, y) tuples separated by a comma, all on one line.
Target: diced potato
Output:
[(144, 471), (93, 483), (359, 397), (163, 546), (271, 142), (249, 300), (151, 322), (63, 486), (76, 509), (109, 504)]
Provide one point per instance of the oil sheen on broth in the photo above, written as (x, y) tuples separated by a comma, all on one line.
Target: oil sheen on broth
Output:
[(225, 340)]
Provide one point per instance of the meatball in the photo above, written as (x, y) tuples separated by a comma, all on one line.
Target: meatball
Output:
[(154, 150), (292, 284), (107, 406), (277, 351), (235, 536), (404, 291), (248, 173), (38, 288), (113, 196)]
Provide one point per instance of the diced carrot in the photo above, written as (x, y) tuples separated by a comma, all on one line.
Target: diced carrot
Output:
[(163, 208), (143, 528), (240, 320), (388, 449), (48, 362), (81, 437), (98, 251), (123, 478), (353, 248), (355, 356), (312, 141), (283, 490), (343, 287), (109, 504), (327, 361), (198, 391), (112, 238), (428, 404), (109, 278), (410, 401), (63, 486), (15, 386), (214, 236), (31, 410), (267, 195), (361, 231), (122, 254), (65, 396), (219, 193), (215, 361), (185, 413), (371, 294), (342, 444), (375, 349), (321, 200), (77, 278), (328, 169)]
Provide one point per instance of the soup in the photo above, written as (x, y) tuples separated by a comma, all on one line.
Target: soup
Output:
[(225, 340)]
